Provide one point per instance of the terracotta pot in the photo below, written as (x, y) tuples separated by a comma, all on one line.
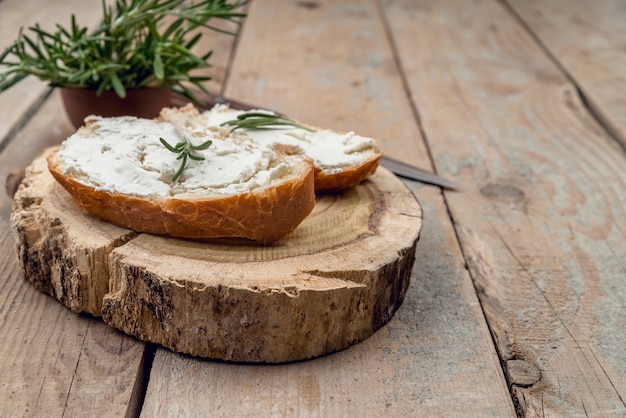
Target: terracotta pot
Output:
[(145, 103)]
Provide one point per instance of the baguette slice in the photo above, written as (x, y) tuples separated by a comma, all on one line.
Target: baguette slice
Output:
[(342, 160), (117, 169)]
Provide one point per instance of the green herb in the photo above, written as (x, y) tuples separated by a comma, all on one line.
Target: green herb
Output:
[(185, 149), (253, 120), (140, 43)]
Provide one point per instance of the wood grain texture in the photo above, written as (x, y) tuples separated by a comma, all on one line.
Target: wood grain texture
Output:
[(330, 64), (540, 220), (587, 40), (430, 360), (56, 362), (332, 67), (339, 277)]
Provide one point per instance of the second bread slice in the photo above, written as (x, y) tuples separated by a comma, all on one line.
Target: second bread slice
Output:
[(341, 160)]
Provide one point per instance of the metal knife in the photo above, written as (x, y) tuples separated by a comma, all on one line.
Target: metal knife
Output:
[(399, 168), (411, 172)]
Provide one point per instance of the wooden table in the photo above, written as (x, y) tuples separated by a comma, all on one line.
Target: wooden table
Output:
[(517, 301)]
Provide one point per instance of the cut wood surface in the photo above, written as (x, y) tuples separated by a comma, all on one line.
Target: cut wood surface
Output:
[(431, 359), (540, 222), (59, 363), (335, 280), (62, 251), (587, 39)]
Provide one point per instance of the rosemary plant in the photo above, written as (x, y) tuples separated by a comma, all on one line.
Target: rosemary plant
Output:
[(139, 43)]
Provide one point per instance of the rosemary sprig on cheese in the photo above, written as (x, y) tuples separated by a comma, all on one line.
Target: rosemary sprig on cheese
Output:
[(185, 149), (249, 120), (255, 120)]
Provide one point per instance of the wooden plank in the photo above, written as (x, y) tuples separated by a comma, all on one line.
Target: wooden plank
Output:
[(540, 221), (587, 39), (50, 128), (56, 362), (59, 363), (330, 64), (346, 83)]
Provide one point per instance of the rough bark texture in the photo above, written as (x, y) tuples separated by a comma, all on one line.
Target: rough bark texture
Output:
[(62, 251)]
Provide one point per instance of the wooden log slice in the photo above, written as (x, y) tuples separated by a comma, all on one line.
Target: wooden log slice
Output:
[(333, 282), (62, 250)]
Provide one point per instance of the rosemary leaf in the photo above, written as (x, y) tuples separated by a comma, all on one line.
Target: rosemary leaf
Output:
[(257, 120), (159, 72), (185, 149)]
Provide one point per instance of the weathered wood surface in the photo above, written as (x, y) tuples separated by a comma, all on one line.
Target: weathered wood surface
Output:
[(586, 38), (55, 362), (62, 251), (436, 356), (540, 222), (339, 277)]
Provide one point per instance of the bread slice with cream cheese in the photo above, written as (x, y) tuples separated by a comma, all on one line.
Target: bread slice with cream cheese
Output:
[(342, 160), (118, 170)]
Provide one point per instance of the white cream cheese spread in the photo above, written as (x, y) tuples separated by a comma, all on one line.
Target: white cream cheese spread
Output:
[(330, 151), (124, 155)]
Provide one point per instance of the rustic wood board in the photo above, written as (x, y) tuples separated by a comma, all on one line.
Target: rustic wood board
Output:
[(540, 219), (587, 40), (335, 280), (430, 360), (49, 370), (436, 356), (56, 362)]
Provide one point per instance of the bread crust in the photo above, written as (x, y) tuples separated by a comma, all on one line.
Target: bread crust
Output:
[(264, 215), (347, 178)]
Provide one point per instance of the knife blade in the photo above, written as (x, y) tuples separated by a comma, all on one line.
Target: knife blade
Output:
[(411, 172), (399, 168)]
